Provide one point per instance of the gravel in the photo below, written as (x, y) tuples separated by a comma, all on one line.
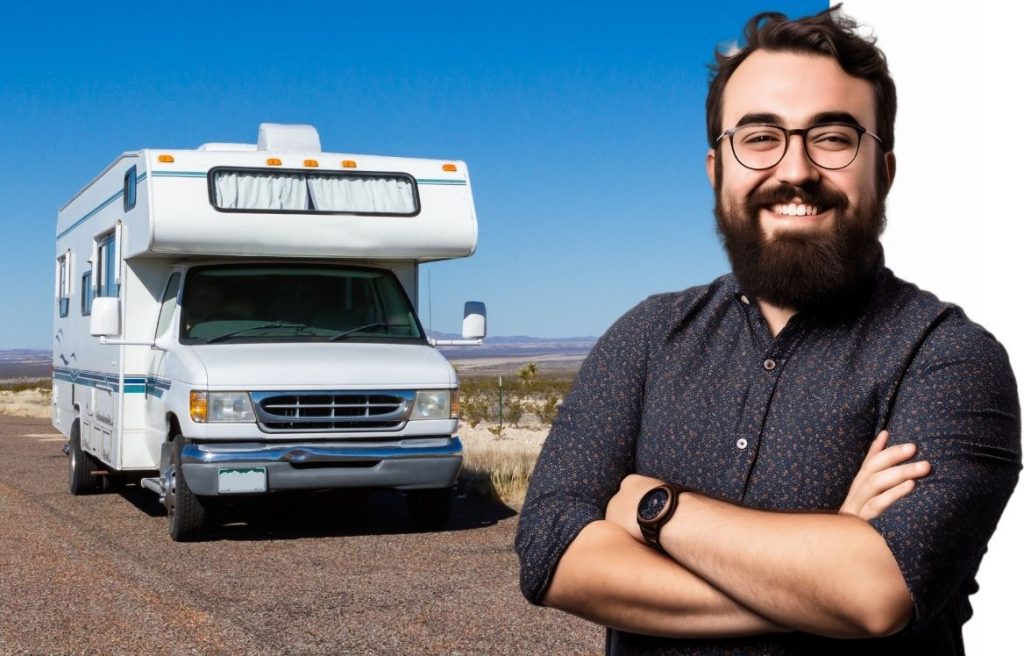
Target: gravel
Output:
[(300, 574)]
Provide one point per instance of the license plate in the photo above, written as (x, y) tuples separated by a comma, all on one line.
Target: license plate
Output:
[(243, 479)]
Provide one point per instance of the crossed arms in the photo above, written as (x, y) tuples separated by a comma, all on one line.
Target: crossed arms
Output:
[(731, 571)]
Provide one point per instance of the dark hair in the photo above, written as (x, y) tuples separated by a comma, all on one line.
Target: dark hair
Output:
[(828, 33)]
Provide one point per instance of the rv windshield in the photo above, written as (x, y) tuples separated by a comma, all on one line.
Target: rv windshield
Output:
[(295, 303)]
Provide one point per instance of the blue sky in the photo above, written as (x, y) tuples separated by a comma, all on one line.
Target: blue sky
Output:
[(581, 124)]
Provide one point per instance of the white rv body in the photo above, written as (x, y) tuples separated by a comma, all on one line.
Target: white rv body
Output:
[(159, 216)]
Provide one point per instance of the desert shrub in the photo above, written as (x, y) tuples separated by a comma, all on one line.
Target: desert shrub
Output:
[(547, 410), (476, 409)]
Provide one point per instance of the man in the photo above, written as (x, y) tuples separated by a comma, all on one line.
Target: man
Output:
[(775, 390)]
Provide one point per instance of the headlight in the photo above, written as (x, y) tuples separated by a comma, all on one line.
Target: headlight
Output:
[(220, 407), (432, 404)]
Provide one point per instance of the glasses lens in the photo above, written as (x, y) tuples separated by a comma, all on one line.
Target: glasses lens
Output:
[(759, 146), (832, 146)]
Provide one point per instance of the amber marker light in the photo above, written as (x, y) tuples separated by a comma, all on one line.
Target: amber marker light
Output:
[(348, 163), (273, 161), (455, 403), (312, 163), (449, 167), (197, 405), (165, 158)]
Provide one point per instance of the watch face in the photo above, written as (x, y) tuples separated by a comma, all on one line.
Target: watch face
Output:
[(652, 504)]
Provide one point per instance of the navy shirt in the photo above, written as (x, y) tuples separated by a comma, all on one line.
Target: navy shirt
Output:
[(692, 388)]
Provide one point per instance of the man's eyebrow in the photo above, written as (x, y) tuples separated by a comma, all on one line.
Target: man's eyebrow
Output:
[(834, 117), (758, 119), (817, 119)]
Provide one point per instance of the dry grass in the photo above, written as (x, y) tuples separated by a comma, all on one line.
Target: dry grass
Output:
[(25, 403), (499, 469)]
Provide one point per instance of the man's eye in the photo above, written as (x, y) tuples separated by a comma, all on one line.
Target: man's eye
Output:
[(834, 140), (761, 139)]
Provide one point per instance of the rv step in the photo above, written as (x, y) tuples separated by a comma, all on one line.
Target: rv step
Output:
[(153, 484)]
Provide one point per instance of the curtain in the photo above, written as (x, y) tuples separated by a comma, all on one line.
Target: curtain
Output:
[(253, 191), (361, 194)]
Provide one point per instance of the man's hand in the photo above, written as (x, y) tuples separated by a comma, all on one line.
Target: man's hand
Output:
[(621, 508), (883, 478)]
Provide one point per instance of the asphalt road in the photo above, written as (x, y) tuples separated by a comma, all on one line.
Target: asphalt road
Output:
[(301, 575)]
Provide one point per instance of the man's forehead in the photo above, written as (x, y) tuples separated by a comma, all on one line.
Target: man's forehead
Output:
[(795, 87)]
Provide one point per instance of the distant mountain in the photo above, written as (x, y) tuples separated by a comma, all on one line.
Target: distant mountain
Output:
[(24, 363), (516, 346)]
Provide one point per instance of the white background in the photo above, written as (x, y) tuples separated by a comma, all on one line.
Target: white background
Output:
[(955, 211)]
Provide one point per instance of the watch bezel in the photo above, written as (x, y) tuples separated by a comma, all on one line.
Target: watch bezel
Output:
[(650, 529)]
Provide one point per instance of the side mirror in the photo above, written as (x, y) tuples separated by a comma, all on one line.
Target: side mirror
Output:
[(106, 317), (474, 320)]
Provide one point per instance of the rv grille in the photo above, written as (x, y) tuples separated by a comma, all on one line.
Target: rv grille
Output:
[(332, 411)]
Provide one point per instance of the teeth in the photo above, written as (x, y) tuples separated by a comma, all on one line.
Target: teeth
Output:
[(792, 209)]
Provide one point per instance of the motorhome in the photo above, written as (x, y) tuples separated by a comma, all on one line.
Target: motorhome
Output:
[(239, 319)]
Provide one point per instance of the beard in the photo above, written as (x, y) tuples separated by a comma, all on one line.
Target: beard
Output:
[(802, 269)]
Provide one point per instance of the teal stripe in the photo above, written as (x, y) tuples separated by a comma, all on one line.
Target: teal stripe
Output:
[(101, 206), (92, 213), (438, 181), (179, 174)]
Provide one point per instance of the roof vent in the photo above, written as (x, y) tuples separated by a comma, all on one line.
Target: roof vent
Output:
[(282, 138)]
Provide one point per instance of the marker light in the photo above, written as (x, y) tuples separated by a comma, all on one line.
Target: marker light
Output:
[(312, 163), (197, 405), (450, 167), (455, 403), (348, 163), (273, 161), (165, 158)]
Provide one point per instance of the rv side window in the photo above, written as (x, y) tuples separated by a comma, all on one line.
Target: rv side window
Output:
[(167, 304), (130, 181), (87, 293), (107, 267), (63, 285), (320, 192)]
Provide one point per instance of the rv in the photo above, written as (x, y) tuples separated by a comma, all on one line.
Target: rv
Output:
[(239, 319)]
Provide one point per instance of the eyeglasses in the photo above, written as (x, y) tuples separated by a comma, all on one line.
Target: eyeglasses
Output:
[(830, 146)]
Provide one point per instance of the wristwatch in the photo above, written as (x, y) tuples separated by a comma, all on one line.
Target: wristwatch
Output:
[(656, 507)]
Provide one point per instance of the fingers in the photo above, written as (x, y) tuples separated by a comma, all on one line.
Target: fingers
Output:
[(877, 505), (888, 457), (893, 476), (878, 444)]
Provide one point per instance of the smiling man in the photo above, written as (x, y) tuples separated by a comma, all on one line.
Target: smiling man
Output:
[(806, 456)]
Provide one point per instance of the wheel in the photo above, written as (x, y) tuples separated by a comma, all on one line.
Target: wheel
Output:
[(185, 513), (83, 470), (429, 509)]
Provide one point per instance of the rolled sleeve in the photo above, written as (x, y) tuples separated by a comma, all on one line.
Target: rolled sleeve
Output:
[(587, 454), (958, 403)]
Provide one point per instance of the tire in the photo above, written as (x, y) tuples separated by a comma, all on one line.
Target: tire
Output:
[(429, 509), (83, 470), (185, 513)]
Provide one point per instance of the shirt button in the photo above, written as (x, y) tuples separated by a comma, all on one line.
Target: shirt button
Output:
[(769, 364), (746, 301), (741, 443)]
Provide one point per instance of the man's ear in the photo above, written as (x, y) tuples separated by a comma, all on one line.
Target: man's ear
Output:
[(890, 166), (709, 166)]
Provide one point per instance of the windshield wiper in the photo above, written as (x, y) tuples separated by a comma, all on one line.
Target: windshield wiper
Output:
[(349, 333), (276, 324)]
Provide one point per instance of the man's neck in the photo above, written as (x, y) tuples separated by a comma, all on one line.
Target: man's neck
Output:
[(777, 317)]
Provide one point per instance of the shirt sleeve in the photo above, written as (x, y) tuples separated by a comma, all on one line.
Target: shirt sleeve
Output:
[(958, 403), (587, 454)]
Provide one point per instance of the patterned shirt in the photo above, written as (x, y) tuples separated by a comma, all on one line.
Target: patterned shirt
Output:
[(692, 388)]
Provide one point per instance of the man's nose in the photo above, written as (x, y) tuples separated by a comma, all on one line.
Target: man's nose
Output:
[(795, 167)]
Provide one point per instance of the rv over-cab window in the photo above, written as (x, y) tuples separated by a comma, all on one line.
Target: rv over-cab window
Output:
[(130, 184), (313, 192)]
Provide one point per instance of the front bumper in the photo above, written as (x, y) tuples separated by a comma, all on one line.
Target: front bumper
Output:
[(401, 464)]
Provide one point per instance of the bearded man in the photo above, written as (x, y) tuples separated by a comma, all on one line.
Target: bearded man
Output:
[(807, 456)]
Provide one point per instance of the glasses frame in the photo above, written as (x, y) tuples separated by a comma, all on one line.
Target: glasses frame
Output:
[(802, 133)]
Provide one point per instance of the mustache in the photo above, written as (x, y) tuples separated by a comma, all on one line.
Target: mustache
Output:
[(812, 193)]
